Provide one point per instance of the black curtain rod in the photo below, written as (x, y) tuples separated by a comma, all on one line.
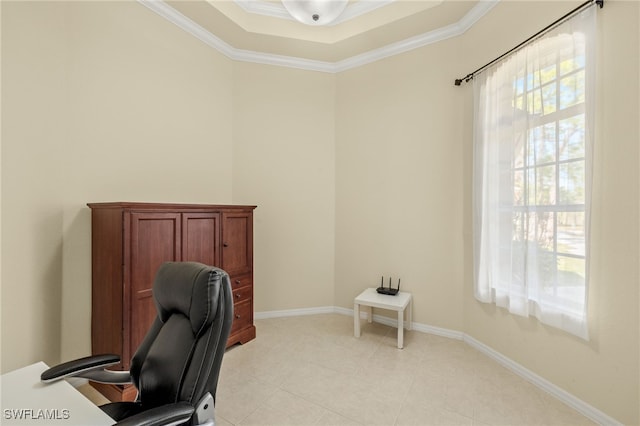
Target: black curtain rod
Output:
[(469, 76)]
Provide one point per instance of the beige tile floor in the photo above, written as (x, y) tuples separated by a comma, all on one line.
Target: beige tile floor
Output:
[(310, 370)]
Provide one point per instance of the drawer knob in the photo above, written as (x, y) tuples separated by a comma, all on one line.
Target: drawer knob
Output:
[(225, 244), (237, 316), (237, 295)]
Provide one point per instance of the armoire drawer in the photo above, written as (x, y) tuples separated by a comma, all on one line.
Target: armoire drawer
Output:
[(243, 293), (242, 316), (241, 281)]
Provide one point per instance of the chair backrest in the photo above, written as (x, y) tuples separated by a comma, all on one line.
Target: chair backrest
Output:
[(181, 355)]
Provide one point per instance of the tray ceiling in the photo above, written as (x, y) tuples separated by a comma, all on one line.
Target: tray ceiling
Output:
[(367, 30)]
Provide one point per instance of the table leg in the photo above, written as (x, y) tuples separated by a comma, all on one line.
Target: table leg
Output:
[(356, 320), (400, 329), (410, 315), (370, 315)]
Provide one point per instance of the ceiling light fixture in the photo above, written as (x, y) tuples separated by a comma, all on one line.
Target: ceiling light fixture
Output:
[(315, 12)]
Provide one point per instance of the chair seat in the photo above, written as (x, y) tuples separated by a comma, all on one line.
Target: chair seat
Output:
[(121, 410)]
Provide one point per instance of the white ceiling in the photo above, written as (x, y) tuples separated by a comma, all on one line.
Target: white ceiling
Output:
[(262, 31)]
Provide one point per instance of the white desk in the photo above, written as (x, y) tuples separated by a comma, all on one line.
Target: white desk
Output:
[(27, 401), (371, 298)]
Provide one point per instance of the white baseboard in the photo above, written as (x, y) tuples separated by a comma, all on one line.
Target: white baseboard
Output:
[(577, 404), (296, 312), (438, 331)]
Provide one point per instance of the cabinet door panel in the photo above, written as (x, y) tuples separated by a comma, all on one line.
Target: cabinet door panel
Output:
[(155, 238), (237, 243), (201, 238)]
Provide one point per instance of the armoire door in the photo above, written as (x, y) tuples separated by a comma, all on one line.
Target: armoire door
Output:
[(154, 238), (237, 243), (201, 238)]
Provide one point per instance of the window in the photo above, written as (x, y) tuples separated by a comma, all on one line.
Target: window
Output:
[(532, 157)]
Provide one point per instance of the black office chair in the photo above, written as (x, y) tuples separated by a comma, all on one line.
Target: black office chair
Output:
[(177, 365)]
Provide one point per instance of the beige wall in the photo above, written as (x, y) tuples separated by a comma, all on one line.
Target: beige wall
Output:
[(356, 175), (283, 161), (399, 182), (101, 102), (35, 108)]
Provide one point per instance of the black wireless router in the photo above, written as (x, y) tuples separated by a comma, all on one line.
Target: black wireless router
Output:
[(388, 290)]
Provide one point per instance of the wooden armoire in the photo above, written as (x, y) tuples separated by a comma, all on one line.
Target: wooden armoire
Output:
[(129, 241)]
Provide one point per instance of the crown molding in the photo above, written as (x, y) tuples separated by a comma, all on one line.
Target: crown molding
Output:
[(452, 30), (283, 61), (177, 18), (440, 34)]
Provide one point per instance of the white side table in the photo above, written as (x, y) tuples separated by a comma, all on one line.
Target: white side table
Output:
[(371, 298)]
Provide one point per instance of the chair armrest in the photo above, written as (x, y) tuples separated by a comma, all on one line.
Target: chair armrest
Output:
[(91, 367), (170, 414)]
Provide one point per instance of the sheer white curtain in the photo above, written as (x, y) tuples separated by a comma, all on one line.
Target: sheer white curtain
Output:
[(533, 137)]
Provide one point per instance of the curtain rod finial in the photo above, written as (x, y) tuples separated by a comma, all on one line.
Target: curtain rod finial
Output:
[(458, 81)]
